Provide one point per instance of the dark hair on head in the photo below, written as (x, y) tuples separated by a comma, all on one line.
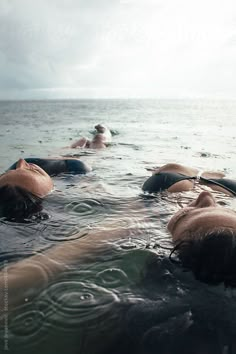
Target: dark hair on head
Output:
[(212, 257), (17, 203)]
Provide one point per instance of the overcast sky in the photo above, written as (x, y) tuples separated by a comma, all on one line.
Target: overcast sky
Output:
[(117, 48)]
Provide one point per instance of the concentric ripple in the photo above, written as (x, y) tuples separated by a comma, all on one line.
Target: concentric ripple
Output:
[(112, 277), (73, 303), (63, 233), (28, 323), (85, 207), (131, 243), (26, 327)]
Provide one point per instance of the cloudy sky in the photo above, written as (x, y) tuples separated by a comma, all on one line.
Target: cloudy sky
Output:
[(117, 48)]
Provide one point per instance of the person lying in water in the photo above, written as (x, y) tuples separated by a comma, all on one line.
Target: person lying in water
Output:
[(22, 189), (100, 140), (204, 237), (178, 178), (26, 182)]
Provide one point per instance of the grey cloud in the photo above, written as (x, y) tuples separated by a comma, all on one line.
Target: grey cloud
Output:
[(41, 42), (53, 46)]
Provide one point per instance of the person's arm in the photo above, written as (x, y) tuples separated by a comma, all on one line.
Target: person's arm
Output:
[(25, 279), (82, 143)]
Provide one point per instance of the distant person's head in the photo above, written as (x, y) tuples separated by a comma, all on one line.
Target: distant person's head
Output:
[(100, 128), (102, 137), (21, 190), (204, 235)]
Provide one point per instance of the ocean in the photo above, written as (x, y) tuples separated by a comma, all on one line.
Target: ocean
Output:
[(127, 298)]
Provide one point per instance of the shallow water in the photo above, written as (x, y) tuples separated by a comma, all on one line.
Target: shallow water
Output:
[(127, 297)]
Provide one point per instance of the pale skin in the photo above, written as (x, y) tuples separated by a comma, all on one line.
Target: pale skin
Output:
[(30, 177), (28, 277), (187, 185), (99, 141), (201, 217)]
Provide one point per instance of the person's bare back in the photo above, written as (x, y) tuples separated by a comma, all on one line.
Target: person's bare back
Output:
[(100, 140)]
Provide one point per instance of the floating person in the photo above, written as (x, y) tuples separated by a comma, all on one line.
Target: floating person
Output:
[(204, 235), (178, 178), (26, 182), (22, 189), (101, 139), (55, 166)]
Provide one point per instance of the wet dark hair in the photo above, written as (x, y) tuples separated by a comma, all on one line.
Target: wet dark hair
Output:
[(17, 203), (212, 257)]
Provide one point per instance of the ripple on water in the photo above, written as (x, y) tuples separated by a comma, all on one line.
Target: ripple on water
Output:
[(28, 323), (112, 277), (131, 243), (14, 255), (64, 233), (26, 327), (74, 303), (85, 207)]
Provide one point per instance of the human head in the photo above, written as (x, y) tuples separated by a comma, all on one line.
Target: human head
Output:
[(28, 176), (21, 190), (17, 203), (100, 128), (204, 235)]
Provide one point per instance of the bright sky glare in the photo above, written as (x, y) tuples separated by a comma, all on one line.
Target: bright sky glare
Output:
[(117, 48)]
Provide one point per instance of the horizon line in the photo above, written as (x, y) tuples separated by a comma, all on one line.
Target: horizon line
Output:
[(119, 98)]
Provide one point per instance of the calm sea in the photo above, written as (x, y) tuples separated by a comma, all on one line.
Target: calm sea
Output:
[(130, 298)]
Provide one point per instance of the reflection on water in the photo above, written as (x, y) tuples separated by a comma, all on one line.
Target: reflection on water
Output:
[(127, 297)]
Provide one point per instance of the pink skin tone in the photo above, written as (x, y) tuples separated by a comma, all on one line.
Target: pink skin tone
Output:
[(30, 177), (28, 277), (99, 141), (82, 143), (200, 218), (186, 185)]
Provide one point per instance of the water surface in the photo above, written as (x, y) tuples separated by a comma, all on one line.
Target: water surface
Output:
[(129, 296)]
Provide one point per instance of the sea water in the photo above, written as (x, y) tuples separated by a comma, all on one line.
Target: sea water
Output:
[(120, 299)]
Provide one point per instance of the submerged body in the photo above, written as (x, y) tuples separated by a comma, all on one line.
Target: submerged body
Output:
[(28, 176), (204, 235), (190, 227), (22, 189), (142, 325), (27, 181)]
